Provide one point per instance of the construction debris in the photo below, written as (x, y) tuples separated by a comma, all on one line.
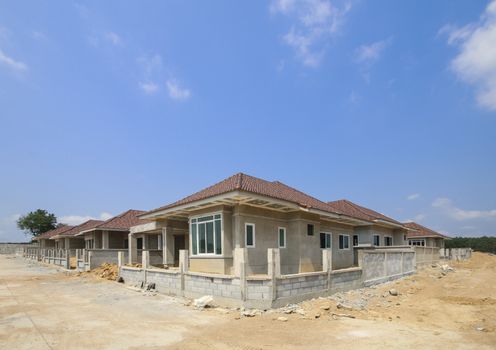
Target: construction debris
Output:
[(203, 302), (107, 271)]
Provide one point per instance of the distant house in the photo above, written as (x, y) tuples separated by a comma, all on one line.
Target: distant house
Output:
[(381, 230), (45, 240), (243, 211), (69, 239), (422, 236), (112, 233)]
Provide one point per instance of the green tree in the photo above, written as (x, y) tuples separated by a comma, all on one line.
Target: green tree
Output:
[(37, 222)]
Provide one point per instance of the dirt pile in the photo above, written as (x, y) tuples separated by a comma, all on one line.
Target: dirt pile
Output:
[(107, 271)]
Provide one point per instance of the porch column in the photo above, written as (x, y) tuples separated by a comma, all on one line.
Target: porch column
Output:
[(238, 232), (133, 249), (144, 241), (168, 246), (66, 243), (105, 240)]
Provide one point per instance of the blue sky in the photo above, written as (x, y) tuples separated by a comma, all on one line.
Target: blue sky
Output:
[(106, 106)]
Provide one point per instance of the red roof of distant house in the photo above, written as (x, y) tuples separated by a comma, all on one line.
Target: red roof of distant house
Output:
[(357, 211), (62, 228), (87, 225), (247, 183), (123, 221), (422, 231)]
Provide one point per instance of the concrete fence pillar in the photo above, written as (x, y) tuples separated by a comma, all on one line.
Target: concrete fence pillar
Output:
[(274, 262), (274, 269), (327, 265), (183, 268), (78, 256), (145, 259), (133, 249), (240, 269), (68, 259), (120, 259), (90, 254)]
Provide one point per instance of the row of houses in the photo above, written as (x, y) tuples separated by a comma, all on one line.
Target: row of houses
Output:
[(249, 229)]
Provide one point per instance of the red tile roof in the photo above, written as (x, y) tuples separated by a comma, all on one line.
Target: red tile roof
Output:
[(87, 225), (422, 231), (46, 235), (357, 211), (123, 221), (247, 183)]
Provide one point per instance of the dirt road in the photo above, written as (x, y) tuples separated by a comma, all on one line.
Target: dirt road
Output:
[(44, 309)]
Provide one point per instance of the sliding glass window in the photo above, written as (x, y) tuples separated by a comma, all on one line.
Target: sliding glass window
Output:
[(206, 235)]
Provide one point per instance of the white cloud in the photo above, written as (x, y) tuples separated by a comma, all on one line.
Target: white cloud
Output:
[(150, 64), (447, 206), (315, 23), (476, 60), (413, 196), (176, 92), (11, 63), (371, 52), (78, 219), (149, 88), (113, 38)]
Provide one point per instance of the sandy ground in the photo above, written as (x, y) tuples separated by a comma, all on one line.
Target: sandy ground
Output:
[(41, 308)]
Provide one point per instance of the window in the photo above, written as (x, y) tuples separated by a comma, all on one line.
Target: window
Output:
[(325, 240), (282, 237), (206, 235), (250, 235), (355, 240), (377, 240), (344, 242), (417, 242), (388, 241), (309, 230)]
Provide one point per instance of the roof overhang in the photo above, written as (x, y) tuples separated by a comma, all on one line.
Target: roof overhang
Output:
[(389, 224), (63, 236), (182, 212), (101, 229), (147, 227), (427, 236)]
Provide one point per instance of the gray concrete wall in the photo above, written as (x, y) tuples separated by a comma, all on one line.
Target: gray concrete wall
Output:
[(426, 255), (380, 265), (102, 256), (11, 248)]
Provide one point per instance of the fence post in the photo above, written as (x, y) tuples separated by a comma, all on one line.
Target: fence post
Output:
[(90, 253), (145, 263), (120, 261), (274, 269), (68, 259), (240, 269), (183, 267), (327, 265)]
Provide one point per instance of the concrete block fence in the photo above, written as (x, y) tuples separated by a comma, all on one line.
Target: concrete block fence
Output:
[(273, 289)]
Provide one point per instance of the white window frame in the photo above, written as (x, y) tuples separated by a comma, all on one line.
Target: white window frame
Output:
[(413, 242), (279, 238), (384, 239), (353, 239), (379, 240), (198, 254), (246, 235), (330, 239), (344, 235)]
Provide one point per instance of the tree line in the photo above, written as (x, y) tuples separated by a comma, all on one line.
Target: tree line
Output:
[(480, 244)]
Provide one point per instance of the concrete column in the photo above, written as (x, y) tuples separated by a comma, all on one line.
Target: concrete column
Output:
[(133, 249), (239, 260), (327, 259), (183, 261), (105, 240), (274, 262), (144, 240), (68, 259), (78, 256), (145, 259), (90, 253), (168, 246), (238, 231), (66, 243), (120, 259)]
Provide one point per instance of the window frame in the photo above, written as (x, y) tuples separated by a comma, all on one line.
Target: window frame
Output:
[(378, 240), (279, 237), (308, 230), (385, 237), (246, 235), (339, 241), (196, 217), (353, 242), (412, 242), (327, 234)]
